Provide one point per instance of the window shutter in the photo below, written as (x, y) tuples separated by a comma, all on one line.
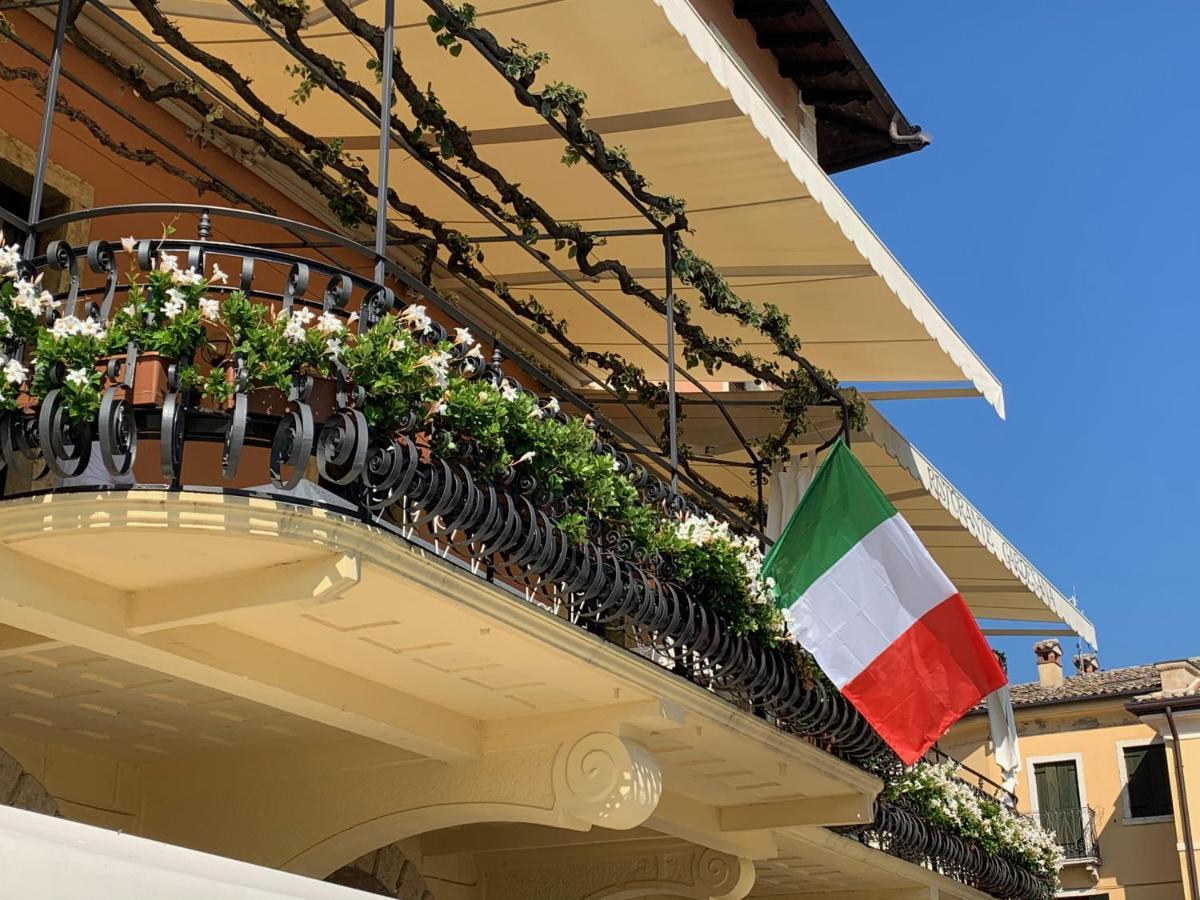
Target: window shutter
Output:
[(1149, 787)]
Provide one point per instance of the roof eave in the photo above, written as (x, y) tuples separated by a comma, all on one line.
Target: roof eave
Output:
[(874, 114)]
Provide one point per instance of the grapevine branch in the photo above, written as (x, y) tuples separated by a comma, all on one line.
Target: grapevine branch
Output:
[(143, 155)]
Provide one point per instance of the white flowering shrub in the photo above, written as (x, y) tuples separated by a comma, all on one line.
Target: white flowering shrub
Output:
[(710, 557), (508, 434), (936, 793)]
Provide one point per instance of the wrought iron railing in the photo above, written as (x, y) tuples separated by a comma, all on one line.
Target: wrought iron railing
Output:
[(1075, 831), (902, 832), (988, 787), (503, 531)]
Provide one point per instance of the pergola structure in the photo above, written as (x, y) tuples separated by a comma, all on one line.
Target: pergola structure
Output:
[(443, 653)]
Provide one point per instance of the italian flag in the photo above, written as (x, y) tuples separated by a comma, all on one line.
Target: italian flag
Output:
[(878, 615)]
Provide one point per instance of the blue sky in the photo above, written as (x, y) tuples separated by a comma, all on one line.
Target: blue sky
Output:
[(1054, 222)]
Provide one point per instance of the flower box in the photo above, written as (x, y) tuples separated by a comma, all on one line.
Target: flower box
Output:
[(269, 401), (150, 381)]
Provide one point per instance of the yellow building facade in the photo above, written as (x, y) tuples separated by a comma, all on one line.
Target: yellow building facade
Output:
[(1100, 766)]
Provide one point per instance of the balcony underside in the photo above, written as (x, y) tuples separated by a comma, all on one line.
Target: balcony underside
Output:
[(194, 635)]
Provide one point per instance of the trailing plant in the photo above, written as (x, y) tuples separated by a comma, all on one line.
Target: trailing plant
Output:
[(407, 379), (934, 791), (347, 194), (565, 104), (163, 314), (711, 559)]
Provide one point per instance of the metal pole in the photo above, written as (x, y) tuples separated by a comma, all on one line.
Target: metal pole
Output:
[(385, 135), (1185, 815), (39, 175), (760, 476), (672, 423)]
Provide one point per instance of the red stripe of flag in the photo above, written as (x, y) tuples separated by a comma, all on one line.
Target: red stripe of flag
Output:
[(924, 681)]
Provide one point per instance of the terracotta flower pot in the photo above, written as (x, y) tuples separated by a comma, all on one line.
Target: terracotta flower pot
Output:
[(269, 401), (149, 377), (26, 402)]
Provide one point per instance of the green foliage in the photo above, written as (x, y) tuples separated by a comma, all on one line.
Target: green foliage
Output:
[(447, 38), (398, 373), (560, 97), (571, 155), (936, 793), (351, 206), (522, 64)]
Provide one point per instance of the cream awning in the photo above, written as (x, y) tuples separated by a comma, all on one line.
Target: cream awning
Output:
[(996, 580), (669, 88)]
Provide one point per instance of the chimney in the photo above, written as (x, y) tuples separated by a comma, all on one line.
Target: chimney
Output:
[(1179, 676), (1049, 662), (1086, 664)]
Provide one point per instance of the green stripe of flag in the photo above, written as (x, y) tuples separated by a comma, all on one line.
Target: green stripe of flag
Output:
[(841, 506)]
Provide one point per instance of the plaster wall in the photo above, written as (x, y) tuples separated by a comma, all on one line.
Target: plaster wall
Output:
[(1139, 859)]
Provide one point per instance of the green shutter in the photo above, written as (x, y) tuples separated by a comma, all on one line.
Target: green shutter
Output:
[(1149, 786), (1059, 805)]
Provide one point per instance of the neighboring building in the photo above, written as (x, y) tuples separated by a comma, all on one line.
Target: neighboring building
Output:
[(1100, 768), (357, 653)]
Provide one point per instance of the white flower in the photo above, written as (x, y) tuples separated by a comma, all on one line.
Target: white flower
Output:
[(10, 258), (30, 296), (397, 344), (537, 413), (14, 372), (78, 377), (210, 309), (439, 407), (5, 325), (462, 336), (328, 323), (176, 303), (437, 362), (189, 278), (476, 350), (524, 457), (70, 326), (168, 262), (296, 320), (616, 466), (552, 406), (353, 317), (509, 391), (333, 348), (128, 244), (416, 318), (218, 276)]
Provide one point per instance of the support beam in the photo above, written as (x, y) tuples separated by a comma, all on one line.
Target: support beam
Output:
[(848, 809), (916, 893), (306, 581), (806, 70), (661, 868), (764, 9), (697, 822), (488, 838), (796, 40), (834, 96), (1048, 631), (15, 642), (652, 715), (63, 606)]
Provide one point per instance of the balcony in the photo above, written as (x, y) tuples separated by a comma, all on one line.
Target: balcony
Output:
[(194, 480), (467, 613), (1075, 830)]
